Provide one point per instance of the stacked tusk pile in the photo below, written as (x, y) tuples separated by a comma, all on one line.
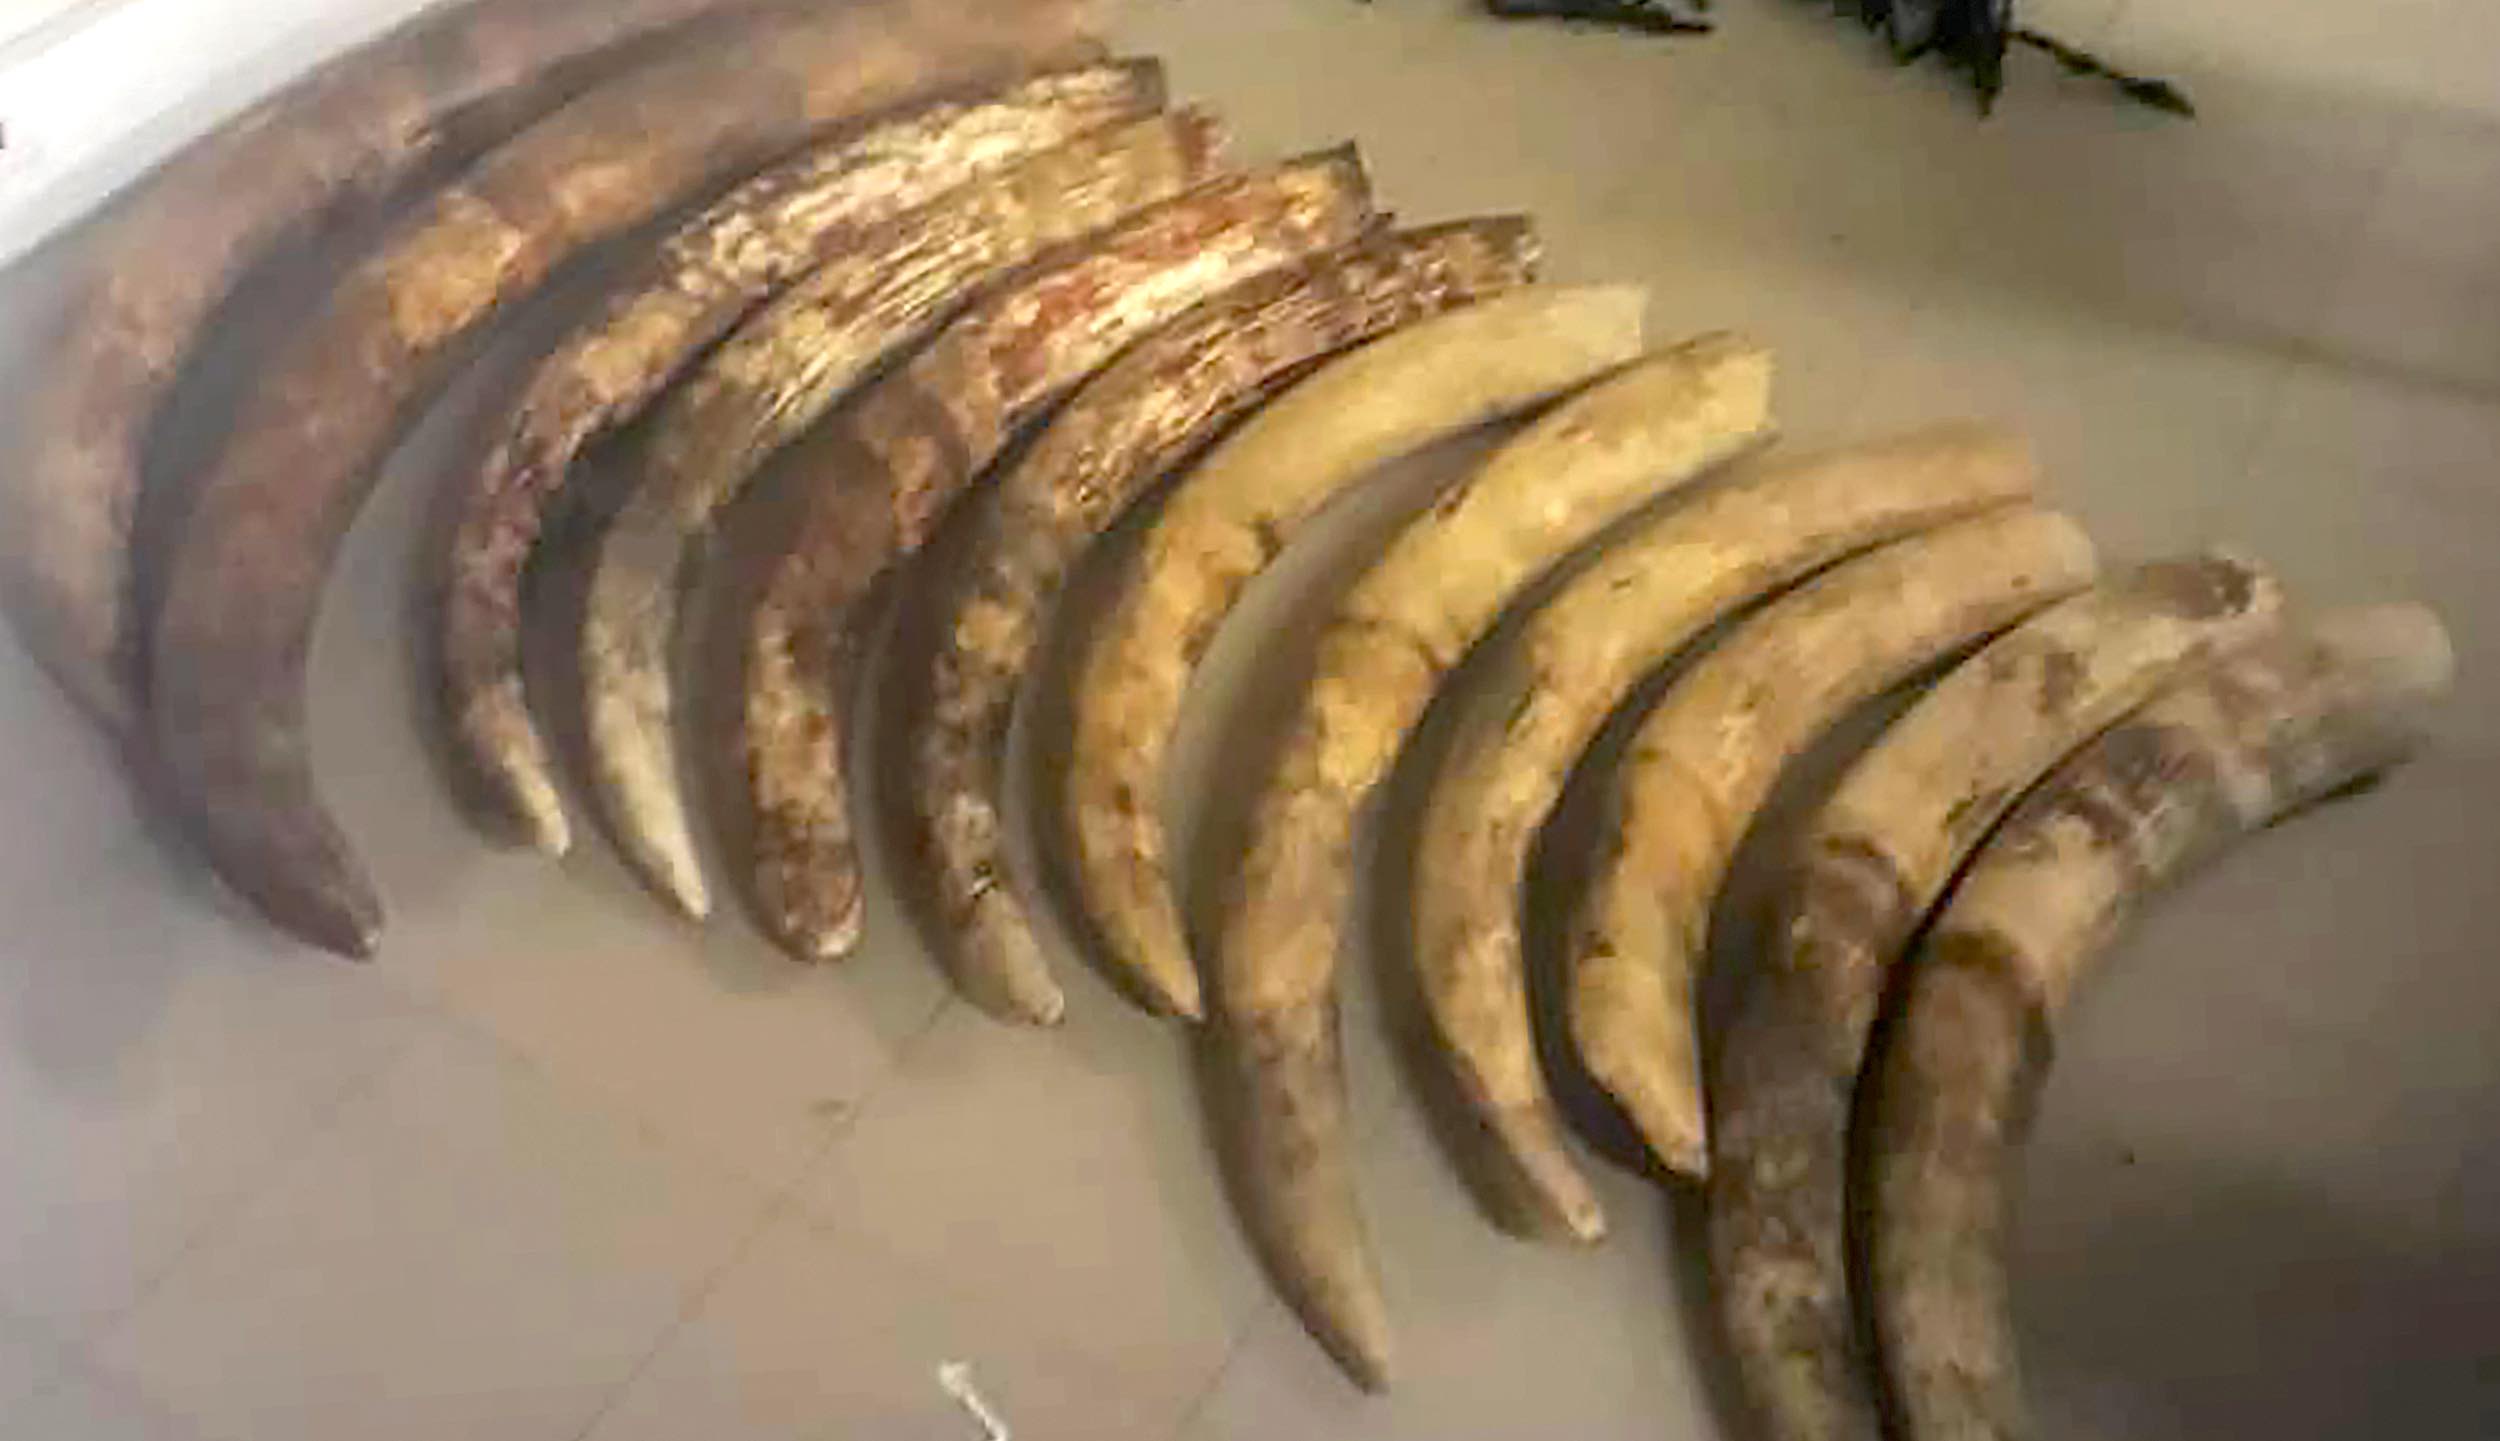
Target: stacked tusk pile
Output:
[(1001, 273)]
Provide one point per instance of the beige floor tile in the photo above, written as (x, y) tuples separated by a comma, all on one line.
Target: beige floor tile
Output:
[(2363, 1332), (711, 1038), (2302, 1183), (2439, 54), (60, 771), (2362, 488), (2128, 289), (2232, 227), (1828, 274), (155, 1062), (1807, 67), (1276, 71), (2418, 300), (465, 1253), (2382, 492), (2298, 1133), (2411, 1070), (29, 1357), (80, 1405), (2079, 22), (1496, 1337), (2141, 433), (1503, 150), (2473, 1197), (821, 1333), (1053, 1176)]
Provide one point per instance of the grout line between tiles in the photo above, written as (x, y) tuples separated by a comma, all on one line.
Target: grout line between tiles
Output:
[(791, 1196), (2281, 370), (886, 1077), (83, 1353), (697, 1297), (631, 1117), (82, 1348), (612, 1109), (1187, 1422), (86, 1353), (228, 1211), (782, 1202), (82, 1369)]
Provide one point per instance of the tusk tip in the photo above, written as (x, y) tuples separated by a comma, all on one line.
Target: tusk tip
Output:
[(2404, 649), (1686, 1156), (1367, 1361), (518, 790), (691, 899), (664, 857), (335, 911), (349, 931), (1553, 1196), (1664, 1113), (1357, 1337), (825, 943), (1173, 993), (1041, 1011), (1030, 1001), (543, 824), (1586, 1223), (1163, 965), (1001, 963)]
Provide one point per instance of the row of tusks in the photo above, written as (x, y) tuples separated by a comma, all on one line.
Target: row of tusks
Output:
[(984, 233)]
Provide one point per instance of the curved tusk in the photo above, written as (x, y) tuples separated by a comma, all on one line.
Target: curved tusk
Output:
[(2234, 747), (1392, 640), (685, 295), (1229, 517), (247, 570), (1878, 854), (1548, 693), (772, 380), (924, 436), (332, 145), (1702, 765), (1131, 424)]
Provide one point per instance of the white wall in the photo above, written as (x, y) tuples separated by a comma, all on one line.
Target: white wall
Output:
[(95, 92)]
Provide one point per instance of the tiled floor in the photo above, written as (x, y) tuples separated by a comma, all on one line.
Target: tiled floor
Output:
[(555, 1168)]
